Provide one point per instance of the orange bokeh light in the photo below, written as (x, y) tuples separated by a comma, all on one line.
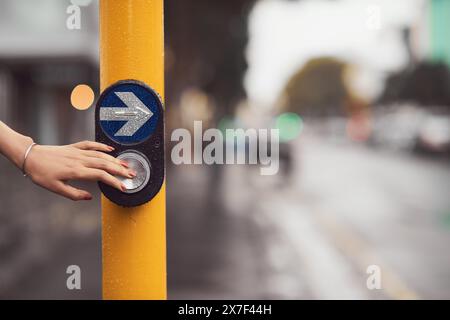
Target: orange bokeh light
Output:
[(82, 97)]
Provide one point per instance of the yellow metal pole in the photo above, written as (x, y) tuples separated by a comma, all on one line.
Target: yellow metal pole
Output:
[(134, 239)]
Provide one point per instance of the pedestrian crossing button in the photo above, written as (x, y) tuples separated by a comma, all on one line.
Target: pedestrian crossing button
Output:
[(138, 163)]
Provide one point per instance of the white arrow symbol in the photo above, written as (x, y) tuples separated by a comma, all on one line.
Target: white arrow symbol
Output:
[(136, 114)]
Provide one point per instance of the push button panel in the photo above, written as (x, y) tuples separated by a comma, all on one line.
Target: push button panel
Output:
[(130, 117), (139, 164)]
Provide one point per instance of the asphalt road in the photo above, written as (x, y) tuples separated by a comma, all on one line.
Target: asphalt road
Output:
[(314, 233)]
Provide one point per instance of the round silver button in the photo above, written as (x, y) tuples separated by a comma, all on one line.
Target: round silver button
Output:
[(140, 165)]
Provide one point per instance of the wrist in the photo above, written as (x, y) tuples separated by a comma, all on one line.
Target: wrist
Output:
[(17, 149), (13, 145)]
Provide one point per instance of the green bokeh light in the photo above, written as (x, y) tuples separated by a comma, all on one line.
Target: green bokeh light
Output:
[(290, 126), (226, 123)]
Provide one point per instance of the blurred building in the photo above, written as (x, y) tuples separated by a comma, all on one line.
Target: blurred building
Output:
[(41, 61), (439, 28), (205, 47)]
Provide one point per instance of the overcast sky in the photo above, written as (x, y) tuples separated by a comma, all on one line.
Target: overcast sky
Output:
[(286, 34)]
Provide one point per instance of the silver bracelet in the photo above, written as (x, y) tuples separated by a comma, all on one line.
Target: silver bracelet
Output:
[(25, 158)]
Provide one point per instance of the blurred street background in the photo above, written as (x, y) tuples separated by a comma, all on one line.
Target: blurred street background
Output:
[(360, 91)]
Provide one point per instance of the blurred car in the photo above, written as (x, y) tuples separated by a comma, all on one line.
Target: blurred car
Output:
[(434, 134), (397, 128)]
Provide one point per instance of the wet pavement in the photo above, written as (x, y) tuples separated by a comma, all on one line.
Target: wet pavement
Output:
[(235, 234)]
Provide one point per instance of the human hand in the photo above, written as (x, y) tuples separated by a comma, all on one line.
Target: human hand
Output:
[(52, 167)]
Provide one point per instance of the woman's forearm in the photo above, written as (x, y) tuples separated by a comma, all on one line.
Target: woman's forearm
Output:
[(52, 167), (13, 145)]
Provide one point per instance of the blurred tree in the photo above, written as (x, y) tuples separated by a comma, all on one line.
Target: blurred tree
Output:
[(317, 89)]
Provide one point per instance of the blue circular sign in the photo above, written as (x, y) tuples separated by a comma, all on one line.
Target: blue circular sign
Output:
[(129, 112)]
